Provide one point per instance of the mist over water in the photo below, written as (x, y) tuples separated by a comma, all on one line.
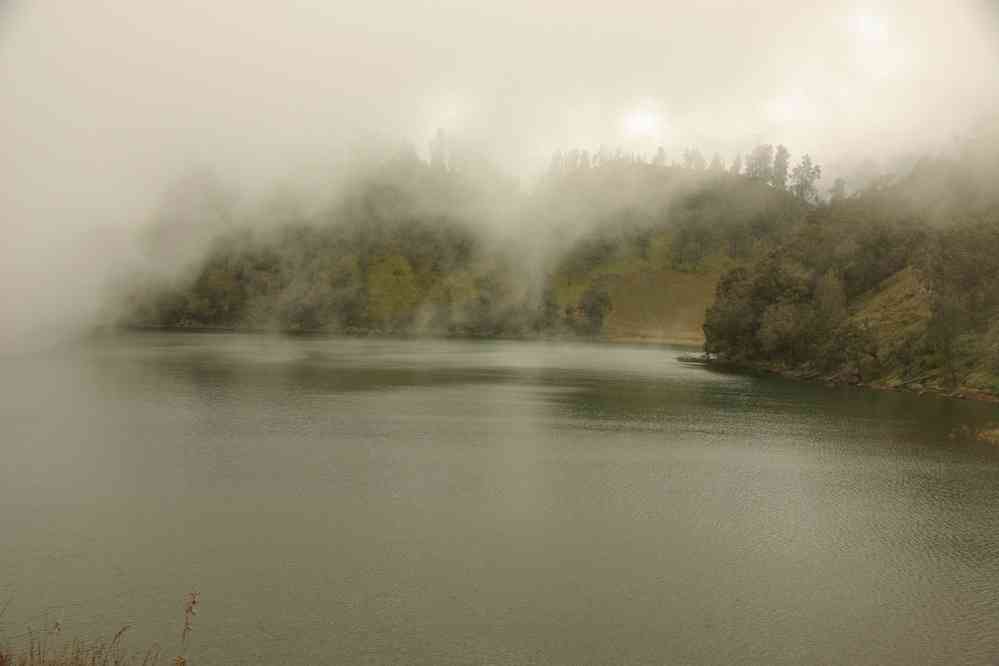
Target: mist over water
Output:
[(350, 183), (108, 102)]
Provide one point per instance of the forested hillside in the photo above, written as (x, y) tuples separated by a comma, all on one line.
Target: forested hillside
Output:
[(618, 246), (895, 285)]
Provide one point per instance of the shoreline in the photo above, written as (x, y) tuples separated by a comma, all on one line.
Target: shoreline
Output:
[(649, 340), (915, 388), (773, 369)]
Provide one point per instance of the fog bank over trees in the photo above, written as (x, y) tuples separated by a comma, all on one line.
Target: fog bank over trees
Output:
[(107, 104)]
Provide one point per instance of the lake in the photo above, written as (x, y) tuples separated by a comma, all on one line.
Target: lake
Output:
[(354, 501)]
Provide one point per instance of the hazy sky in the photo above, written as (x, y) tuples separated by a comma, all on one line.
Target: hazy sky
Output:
[(102, 100), (102, 97)]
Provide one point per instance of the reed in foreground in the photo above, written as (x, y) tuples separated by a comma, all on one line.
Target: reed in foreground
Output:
[(45, 651), (39, 652)]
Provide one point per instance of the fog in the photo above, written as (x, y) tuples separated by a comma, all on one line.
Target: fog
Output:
[(103, 103)]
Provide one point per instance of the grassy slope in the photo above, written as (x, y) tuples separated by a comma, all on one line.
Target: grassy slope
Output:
[(650, 301), (661, 305), (898, 313)]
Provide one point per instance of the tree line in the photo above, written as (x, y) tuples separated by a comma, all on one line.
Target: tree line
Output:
[(765, 163), (419, 245), (897, 283)]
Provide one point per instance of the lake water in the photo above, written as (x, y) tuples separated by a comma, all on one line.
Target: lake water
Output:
[(351, 501)]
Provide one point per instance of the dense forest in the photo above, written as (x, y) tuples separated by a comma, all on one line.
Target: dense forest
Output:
[(895, 283), (450, 246)]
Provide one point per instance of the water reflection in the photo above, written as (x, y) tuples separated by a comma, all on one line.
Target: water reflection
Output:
[(450, 502)]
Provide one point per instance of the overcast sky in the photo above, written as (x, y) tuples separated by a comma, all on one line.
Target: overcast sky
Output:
[(103, 97), (101, 101)]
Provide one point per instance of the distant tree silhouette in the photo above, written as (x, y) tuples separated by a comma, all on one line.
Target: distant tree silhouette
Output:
[(572, 159), (760, 163), (736, 166), (693, 159), (803, 179), (781, 160), (557, 161), (838, 191)]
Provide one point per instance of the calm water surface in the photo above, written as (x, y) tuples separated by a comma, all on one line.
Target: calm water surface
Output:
[(427, 502)]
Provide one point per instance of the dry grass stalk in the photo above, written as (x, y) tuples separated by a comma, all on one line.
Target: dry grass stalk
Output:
[(190, 610), (111, 653)]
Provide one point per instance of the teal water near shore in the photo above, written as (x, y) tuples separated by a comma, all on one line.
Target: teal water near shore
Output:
[(451, 502)]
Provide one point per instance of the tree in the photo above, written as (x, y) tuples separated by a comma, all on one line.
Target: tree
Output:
[(736, 167), (838, 191), (858, 342), (572, 159), (760, 163), (830, 298), (730, 323), (784, 330), (693, 159), (549, 316), (691, 244), (781, 159), (594, 305), (803, 179)]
